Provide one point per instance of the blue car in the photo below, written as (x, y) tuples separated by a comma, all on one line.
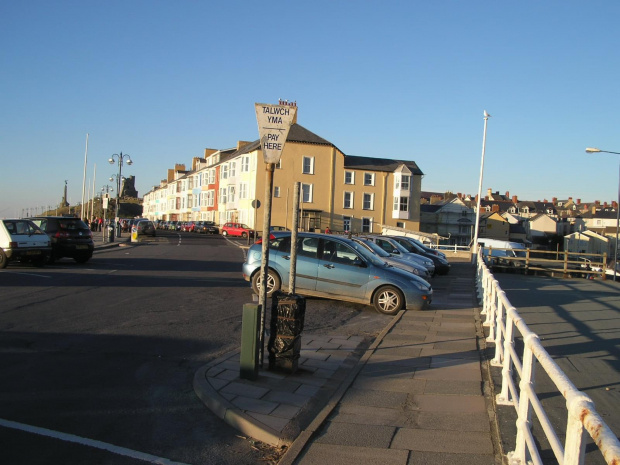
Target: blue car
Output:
[(335, 267)]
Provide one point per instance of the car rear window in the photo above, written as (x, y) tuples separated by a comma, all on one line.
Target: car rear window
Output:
[(71, 224)]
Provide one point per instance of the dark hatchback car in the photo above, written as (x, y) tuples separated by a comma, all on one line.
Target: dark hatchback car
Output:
[(207, 227), (70, 237)]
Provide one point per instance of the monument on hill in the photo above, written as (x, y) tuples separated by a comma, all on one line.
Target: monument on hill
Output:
[(128, 189), (63, 202)]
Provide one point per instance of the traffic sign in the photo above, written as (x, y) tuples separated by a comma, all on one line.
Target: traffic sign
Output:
[(274, 122)]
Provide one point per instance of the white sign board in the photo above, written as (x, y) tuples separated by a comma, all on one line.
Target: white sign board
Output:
[(274, 122)]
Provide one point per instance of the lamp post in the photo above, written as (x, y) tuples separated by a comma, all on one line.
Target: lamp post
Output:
[(474, 247), (120, 158), (595, 150)]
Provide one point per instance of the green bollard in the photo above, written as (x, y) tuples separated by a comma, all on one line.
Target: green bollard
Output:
[(250, 327)]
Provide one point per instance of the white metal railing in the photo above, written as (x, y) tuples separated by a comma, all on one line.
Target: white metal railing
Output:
[(503, 321), (451, 248)]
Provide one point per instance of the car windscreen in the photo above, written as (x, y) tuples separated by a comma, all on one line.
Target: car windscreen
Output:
[(367, 254)]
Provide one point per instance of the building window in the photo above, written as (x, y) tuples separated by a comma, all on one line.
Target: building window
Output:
[(231, 193), (369, 179), (223, 195), (243, 190), (348, 200), (404, 183), (224, 171), (403, 204), (308, 167), (346, 223), (367, 225), (349, 177), (276, 191), (210, 198), (232, 171), (245, 164), (368, 202), (400, 224), (306, 190)]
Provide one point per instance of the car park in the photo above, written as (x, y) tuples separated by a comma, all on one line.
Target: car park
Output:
[(337, 268), (407, 265), (237, 229), (70, 237), (22, 240)]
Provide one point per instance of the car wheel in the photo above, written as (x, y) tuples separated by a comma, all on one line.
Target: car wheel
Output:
[(244, 234), (224, 233), (388, 300), (273, 282), (3, 260)]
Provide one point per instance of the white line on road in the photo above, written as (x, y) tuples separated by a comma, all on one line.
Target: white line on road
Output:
[(28, 274), (88, 442)]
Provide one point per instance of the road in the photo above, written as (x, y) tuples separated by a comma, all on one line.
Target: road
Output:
[(107, 351), (578, 321)]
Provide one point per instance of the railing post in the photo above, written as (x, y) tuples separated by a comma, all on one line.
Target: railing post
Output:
[(527, 385), (574, 445), (498, 324), (504, 397)]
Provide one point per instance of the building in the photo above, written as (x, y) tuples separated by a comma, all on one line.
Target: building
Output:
[(342, 192), (450, 219)]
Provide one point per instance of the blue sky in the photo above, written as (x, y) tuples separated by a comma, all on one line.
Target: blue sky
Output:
[(163, 80)]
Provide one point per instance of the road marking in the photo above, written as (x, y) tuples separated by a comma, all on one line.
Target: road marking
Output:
[(88, 442), (28, 274)]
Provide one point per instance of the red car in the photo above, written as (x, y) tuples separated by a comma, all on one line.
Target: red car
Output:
[(237, 229)]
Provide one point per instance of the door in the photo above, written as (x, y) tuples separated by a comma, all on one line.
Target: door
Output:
[(341, 271)]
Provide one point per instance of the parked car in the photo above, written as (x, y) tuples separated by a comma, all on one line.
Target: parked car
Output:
[(393, 247), (442, 265), (335, 267), (22, 240), (401, 264), (70, 237), (237, 229), (145, 227), (207, 227)]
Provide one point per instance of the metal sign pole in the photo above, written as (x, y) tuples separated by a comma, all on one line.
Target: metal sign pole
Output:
[(291, 280), (262, 298)]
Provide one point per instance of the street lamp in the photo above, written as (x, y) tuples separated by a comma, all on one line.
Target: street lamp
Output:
[(120, 158), (484, 144), (595, 150)]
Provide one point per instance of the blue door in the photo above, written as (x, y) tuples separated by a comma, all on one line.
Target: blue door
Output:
[(340, 271)]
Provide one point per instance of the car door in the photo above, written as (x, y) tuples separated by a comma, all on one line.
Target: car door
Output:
[(306, 266), (341, 271)]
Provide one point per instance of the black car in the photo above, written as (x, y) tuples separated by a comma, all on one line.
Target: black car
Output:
[(207, 227), (70, 237), (442, 266)]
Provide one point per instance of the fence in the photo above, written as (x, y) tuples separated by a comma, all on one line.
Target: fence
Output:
[(503, 321)]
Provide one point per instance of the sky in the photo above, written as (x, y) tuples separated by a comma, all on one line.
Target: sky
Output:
[(407, 80)]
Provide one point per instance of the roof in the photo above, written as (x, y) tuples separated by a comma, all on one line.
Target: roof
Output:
[(379, 164)]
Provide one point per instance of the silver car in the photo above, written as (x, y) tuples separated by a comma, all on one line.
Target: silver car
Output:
[(402, 264), (335, 267), (393, 247)]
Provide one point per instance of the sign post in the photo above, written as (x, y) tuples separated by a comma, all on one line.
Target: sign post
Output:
[(274, 123)]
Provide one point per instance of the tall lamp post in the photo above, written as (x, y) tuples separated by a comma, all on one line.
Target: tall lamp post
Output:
[(595, 150), (474, 247), (119, 158)]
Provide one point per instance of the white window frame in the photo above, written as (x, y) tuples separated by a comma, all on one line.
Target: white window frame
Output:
[(351, 174), (347, 198), (310, 168), (243, 190), (367, 228), (405, 182), (245, 164), (372, 179), (276, 191), (224, 171), (346, 223), (231, 193), (371, 201), (307, 189), (232, 169)]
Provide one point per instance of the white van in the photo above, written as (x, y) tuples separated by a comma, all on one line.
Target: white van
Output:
[(24, 241), (502, 253)]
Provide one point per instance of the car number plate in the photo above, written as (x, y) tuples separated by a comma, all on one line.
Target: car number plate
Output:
[(33, 252), (81, 247)]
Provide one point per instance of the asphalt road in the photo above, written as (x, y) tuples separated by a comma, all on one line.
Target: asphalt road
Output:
[(106, 352), (578, 321)]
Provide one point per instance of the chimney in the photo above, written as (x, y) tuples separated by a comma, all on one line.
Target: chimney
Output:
[(495, 208), (209, 152), (514, 199), (507, 194), (554, 200), (242, 143), (578, 200), (489, 192)]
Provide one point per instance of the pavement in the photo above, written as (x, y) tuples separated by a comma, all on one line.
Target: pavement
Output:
[(420, 393)]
